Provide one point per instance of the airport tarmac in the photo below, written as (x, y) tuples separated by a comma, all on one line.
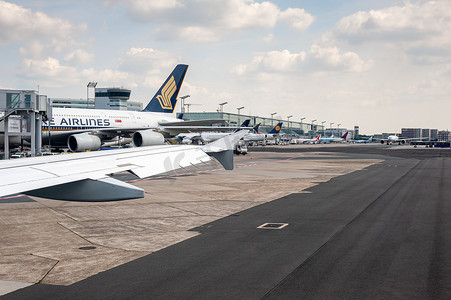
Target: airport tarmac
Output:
[(198, 235)]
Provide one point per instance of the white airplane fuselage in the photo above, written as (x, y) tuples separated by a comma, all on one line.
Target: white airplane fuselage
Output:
[(65, 119)]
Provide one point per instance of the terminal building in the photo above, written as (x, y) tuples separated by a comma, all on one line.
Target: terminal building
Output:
[(419, 133), (232, 119), (104, 98)]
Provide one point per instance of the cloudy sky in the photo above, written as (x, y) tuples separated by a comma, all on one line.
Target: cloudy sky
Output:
[(379, 64)]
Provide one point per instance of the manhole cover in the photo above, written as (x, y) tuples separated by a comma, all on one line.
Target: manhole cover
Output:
[(273, 226), (87, 248)]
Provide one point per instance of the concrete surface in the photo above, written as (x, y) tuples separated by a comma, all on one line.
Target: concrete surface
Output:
[(43, 240)]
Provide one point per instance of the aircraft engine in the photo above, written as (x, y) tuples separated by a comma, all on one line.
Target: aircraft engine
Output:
[(187, 141), (147, 138), (382, 142), (83, 141)]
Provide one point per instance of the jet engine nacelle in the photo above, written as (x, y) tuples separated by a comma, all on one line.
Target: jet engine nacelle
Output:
[(83, 141), (147, 138), (187, 141), (382, 142)]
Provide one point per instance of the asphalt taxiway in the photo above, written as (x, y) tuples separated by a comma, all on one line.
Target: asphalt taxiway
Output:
[(376, 226)]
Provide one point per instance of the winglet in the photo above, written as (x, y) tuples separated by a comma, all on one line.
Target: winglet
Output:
[(166, 98), (222, 149)]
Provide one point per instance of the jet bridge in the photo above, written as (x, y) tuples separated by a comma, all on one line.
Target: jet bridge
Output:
[(21, 114)]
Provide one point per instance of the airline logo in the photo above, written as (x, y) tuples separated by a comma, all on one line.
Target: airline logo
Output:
[(277, 128), (166, 94), (81, 122)]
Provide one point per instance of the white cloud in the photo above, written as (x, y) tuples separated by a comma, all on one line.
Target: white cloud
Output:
[(419, 29), (48, 72), (148, 60), (79, 57), (297, 18), (332, 58), (108, 78), (208, 21), (21, 24), (268, 38), (318, 60), (239, 14)]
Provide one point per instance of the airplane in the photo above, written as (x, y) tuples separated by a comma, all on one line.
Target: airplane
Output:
[(210, 136), (89, 129), (334, 139), (193, 137), (307, 141), (86, 176), (259, 137), (370, 140), (394, 139)]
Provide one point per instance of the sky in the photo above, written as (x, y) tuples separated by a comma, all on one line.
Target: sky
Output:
[(382, 64)]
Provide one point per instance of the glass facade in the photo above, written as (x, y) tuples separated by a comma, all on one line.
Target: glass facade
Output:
[(267, 124)]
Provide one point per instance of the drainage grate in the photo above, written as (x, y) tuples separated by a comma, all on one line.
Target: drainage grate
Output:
[(87, 248), (273, 226)]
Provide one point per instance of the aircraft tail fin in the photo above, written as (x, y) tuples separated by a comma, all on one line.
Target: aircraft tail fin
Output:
[(345, 135), (222, 149), (276, 128), (165, 99), (318, 138), (256, 127), (245, 124)]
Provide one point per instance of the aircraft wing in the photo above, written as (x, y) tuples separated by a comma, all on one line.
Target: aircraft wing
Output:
[(192, 123), (84, 176)]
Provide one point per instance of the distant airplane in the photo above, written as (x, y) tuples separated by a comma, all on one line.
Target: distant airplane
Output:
[(308, 141), (86, 176), (370, 140), (207, 136), (258, 137), (210, 136), (89, 129), (394, 139), (334, 139)]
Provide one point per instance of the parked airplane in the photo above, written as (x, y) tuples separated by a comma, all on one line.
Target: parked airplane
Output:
[(394, 139), (307, 141), (207, 136), (210, 136), (370, 140), (85, 176), (89, 129), (334, 139), (259, 137)]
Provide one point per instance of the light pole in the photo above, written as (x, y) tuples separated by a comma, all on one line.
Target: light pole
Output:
[(221, 109), (301, 125), (91, 85), (221, 105), (272, 118), (338, 128), (289, 127), (182, 102), (239, 109), (313, 124), (322, 126)]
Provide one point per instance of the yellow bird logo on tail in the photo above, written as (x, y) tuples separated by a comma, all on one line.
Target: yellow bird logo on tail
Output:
[(166, 94)]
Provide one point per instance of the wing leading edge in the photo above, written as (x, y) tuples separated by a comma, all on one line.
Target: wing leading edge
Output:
[(85, 176)]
